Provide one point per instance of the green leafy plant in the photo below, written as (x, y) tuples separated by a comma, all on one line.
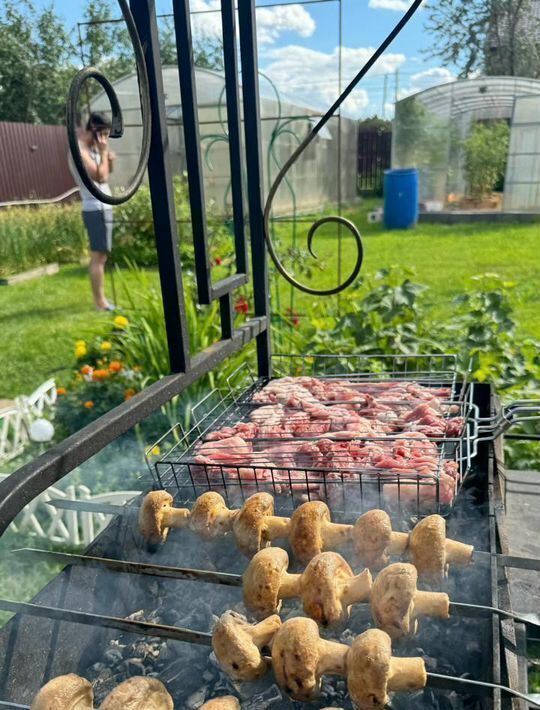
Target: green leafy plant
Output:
[(99, 382), (486, 151), (485, 331)]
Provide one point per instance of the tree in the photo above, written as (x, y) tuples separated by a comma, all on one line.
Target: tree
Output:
[(495, 37), (375, 124), (16, 62), (207, 48), (34, 58), (106, 43), (53, 68)]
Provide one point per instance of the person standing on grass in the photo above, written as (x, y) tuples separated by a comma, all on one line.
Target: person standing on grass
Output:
[(97, 216)]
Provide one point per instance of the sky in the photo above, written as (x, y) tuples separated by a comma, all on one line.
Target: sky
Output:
[(299, 49)]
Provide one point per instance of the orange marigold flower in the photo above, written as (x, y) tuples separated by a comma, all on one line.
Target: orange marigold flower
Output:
[(129, 393), (99, 375), (115, 366), (86, 369), (88, 404), (60, 391)]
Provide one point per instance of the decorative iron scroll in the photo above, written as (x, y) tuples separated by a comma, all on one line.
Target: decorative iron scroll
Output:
[(117, 120), (294, 157)]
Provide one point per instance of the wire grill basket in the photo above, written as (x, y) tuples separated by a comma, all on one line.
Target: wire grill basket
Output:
[(349, 485)]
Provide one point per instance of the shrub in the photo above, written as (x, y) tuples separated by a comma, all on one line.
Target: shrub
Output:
[(31, 237), (486, 150)]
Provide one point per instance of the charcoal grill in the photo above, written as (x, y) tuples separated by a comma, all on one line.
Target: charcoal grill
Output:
[(107, 625)]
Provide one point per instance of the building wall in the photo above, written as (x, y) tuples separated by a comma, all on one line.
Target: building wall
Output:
[(33, 162)]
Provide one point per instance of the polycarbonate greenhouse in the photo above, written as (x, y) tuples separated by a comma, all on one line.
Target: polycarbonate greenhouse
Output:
[(430, 128), (312, 182)]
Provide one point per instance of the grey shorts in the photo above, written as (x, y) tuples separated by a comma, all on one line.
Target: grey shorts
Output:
[(99, 225)]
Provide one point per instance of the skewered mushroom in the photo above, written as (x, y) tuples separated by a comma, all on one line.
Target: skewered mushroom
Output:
[(432, 552), (372, 670), (310, 531), (396, 603), (327, 586), (300, 658), (226, 702), (69, 692), (138, 693), (157, 516), (237, 645), (255, 525)]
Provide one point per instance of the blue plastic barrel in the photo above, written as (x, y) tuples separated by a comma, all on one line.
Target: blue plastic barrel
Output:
[(400, 198)]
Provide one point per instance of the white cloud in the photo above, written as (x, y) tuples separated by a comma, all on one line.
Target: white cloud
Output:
[(272, 22), (425, 80), (311, 77), (431, 77), (396, 5)]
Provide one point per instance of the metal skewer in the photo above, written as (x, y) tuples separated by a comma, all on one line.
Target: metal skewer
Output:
[(145, 628), (199, 575), (529, 563), (448, 682), (231, 580), (435, 680)]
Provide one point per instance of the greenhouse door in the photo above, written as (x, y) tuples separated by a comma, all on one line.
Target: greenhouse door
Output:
[(522, 182)]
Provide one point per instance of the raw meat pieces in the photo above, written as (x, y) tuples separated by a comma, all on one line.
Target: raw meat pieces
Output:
[(309, 434)]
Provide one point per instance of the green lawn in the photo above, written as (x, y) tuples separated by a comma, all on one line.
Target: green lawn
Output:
[(445, 257), (41, 319), (39, 322)]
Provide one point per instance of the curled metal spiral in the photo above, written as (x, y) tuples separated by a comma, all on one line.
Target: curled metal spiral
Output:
[(117, 120), (294, 157)]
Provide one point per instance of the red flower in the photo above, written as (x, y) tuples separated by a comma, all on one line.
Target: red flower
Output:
[(218, 261), (241, 305)]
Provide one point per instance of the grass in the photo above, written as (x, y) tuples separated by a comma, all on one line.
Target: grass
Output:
[(39, 322), (41, 319), (445, 258)]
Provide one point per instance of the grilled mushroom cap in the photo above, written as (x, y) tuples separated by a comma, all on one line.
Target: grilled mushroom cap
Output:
[(368, 668), (250, 523), (226, 702), (237, 645), (427, 548), (295, 658), (392, 600), (262, 580), (210, 516), (66, 692), (306, 530), (151, 516), (371, 538), (138, 693), (323, 588)]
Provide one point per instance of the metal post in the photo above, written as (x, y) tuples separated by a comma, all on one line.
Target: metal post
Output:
[(252, 132), (228, 23), (162, 193), (190, 121)]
